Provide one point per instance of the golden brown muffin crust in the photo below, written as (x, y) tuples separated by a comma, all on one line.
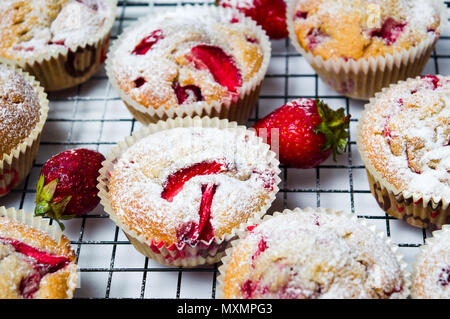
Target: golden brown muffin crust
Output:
[(19, 110)]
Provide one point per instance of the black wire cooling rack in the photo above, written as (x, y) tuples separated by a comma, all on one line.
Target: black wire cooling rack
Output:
[(91, 115)]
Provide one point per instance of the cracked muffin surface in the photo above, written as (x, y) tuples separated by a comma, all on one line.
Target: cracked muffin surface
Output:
[(405, 135), (355, 29), (19, 109)]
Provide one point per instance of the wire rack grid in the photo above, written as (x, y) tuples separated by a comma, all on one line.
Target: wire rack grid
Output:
[(92, 115)]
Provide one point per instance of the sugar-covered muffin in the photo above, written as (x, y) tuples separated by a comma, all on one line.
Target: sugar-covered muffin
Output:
[(33, 263), (431, 276), (193, 59), (403, 138), (361, 29), (312, 254), (359, 47), (183, 191), (61, 42), (23, 112)]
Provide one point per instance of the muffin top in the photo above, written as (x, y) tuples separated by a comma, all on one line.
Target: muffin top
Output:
[(184, 185), (355, 29), (32, 263), (30, 28), (20, 109), (190, 56), (312, 254), (405, 135), (432, 269)]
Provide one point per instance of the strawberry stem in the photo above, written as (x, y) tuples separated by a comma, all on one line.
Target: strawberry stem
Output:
[(45, 206), (334, 126)]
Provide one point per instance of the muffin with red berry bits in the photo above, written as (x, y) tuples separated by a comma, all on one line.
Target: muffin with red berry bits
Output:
[(193, 60), (61, 42), (269, 14), (431, 275), (23, 112), (312, 254), (180, 189), (403, 138), (359, 47), (36, 261)]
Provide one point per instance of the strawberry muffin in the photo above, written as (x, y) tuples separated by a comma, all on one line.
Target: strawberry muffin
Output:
[(403, 138), (269, 14), (61, 42), (190, 61), (354, 36), (312, 254), (181, 189), (23, 112), (36, 260), (431, 275)]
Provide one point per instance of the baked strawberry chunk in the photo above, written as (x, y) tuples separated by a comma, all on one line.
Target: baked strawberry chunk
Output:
[(248, 288), (140, 81), (301, 14), (43, 264), (389, 31), (315, 37), (218, 63), (176, 181), (191, 232), (432, 80), (444, 276), (148, 42), (262, 246)]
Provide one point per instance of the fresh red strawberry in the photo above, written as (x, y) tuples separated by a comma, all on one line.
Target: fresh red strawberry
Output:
[(309, 132), (216, 61), (67, 186), (269, 14)]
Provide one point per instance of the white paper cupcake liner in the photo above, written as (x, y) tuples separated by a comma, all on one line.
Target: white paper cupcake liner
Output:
[(53, 231), (184, 255), (16, 165), (241, 234), (419, 258), (417, 209), (72, 65), (237, 108), (363, 78)]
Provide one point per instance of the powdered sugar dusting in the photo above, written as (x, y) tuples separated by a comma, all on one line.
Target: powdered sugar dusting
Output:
[(48, 26), (19, 109), (316, 255), (139, 177), (361, 28), (167, 63), (406, 136), (432, 278)]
